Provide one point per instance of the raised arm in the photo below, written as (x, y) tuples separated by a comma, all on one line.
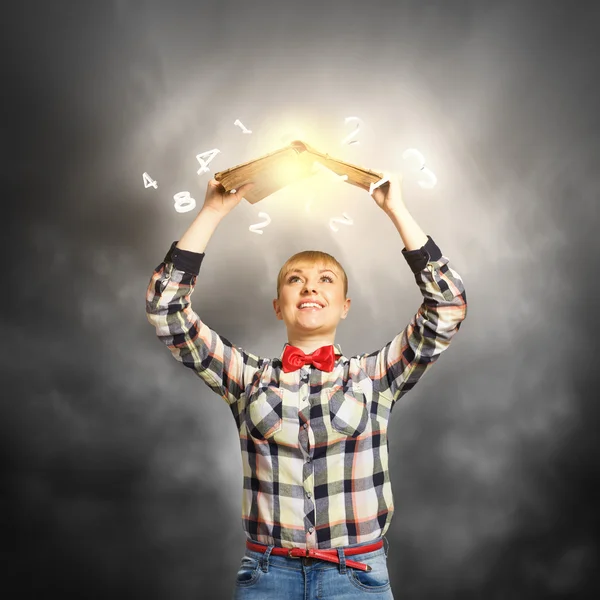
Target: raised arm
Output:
[(217, 205), (402, 362), (222, 366)]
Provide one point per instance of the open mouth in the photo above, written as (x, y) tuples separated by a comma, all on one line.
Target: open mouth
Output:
[(309, 306)]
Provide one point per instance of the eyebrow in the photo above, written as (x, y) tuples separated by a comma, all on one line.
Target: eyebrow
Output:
[(301, 271)]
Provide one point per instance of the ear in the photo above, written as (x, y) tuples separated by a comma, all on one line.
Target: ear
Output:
[(277, 309), (347, 304)]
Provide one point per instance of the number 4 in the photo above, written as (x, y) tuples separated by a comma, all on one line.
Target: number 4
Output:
[(204, 163), (148, 181)]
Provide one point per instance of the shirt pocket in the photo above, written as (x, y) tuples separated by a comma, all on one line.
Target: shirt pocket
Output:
[(347, 409), (264, 412)]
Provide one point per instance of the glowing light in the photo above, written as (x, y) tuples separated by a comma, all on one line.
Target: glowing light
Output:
[(204, 163), (241, 125), (184, 202), (294, 134), (148, 181), (352, 133), (257, 227), (320, 168), (347, 220)]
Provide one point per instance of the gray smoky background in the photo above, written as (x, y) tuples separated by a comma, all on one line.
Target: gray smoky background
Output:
[(121, 471)]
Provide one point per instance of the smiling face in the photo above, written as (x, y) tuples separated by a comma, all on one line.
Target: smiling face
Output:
[(312, 300)]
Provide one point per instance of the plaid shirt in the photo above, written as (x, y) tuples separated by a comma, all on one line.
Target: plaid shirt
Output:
[(314, 444)]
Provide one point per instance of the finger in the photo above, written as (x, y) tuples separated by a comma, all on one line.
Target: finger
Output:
[(377, 193), (214, 187), (380, 191)]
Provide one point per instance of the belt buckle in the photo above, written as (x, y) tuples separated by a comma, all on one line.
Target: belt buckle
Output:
[(307, 555)]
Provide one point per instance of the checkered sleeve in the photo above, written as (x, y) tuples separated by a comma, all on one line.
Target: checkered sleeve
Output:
[(398, 367), (222, 366)]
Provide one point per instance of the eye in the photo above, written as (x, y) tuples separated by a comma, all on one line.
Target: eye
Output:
[(322, 277)]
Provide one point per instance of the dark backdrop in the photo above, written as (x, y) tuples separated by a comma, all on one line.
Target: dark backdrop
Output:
[(121, 472)]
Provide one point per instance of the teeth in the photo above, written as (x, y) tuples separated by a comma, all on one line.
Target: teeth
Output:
[(309, 304)]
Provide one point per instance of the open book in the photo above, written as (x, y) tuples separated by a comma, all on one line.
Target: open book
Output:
[(281, 168)]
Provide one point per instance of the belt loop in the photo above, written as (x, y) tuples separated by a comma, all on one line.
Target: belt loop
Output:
[(386, 546), (342, 558), (264, 561)]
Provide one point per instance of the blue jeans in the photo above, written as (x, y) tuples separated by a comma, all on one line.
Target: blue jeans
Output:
[(266, 577)]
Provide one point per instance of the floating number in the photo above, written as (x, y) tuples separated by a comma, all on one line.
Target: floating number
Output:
[(374, 186), (148, 181), (257, 227), (352, 133), (204, 163), (345, 221), (184, 202), (428, 180), (241, 125), (414, 157)]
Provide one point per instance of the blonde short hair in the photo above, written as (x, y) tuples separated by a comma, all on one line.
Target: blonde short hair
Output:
[(312, 257)]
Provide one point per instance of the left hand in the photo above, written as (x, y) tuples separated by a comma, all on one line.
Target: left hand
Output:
[(388, 196)]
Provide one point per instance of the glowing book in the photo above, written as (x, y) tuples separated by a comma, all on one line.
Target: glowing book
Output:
[(281, 168)]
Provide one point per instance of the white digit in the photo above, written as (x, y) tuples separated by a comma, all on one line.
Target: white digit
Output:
[(374, 186), (428, 180), (352, 133), (204, 163), (241, 125), (184, 202), (415, 158), (148, 181), (257, 227), (346, 221)]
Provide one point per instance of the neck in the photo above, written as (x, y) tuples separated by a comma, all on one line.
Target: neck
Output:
[(310, 344)]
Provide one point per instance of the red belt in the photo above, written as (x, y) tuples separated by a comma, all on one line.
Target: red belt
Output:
[(328, 555)]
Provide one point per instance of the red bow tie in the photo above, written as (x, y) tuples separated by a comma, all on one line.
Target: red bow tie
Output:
[(293, 358)]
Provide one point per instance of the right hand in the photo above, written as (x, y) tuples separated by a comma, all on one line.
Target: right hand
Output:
[(221, 201)]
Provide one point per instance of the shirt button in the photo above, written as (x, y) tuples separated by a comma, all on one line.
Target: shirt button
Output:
[(311, 529), (308, 459), (305, 425), (308, 495)]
